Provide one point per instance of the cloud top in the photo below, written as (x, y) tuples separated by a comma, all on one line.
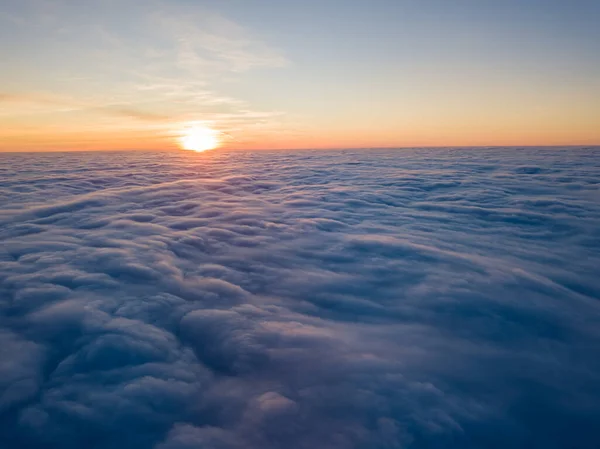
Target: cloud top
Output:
[(433, 298)]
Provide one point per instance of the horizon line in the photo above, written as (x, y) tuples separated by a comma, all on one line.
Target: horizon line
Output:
[(416, 147)]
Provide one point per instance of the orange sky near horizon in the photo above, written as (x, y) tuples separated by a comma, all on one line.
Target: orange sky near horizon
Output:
[(136, 136)]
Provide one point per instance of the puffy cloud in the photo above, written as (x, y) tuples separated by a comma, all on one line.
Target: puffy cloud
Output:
[(443, 298)]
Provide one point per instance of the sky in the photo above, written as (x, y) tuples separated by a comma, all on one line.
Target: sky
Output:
[(112, 75)]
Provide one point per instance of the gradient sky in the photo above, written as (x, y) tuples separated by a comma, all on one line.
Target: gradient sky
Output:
[(127, 74)]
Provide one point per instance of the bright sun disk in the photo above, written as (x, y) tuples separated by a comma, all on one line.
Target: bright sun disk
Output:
[(200, 138)]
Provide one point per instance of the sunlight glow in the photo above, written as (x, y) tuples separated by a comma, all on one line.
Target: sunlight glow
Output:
[(199, 138)]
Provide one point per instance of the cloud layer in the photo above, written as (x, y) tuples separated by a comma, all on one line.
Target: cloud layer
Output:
[(386, 299)]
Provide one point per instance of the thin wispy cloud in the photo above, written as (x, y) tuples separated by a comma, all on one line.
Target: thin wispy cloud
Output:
[(164, 69), (209, 42), (36, 103)]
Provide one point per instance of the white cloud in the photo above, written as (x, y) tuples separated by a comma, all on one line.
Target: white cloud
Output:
[(438, 298), (207, 41)]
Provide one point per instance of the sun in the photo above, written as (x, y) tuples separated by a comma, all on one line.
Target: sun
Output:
[(200, 138)]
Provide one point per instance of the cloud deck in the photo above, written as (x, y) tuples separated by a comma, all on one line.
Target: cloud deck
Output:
[(426, 299)]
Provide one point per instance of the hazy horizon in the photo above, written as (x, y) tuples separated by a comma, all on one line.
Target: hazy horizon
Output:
[(395, 148)]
